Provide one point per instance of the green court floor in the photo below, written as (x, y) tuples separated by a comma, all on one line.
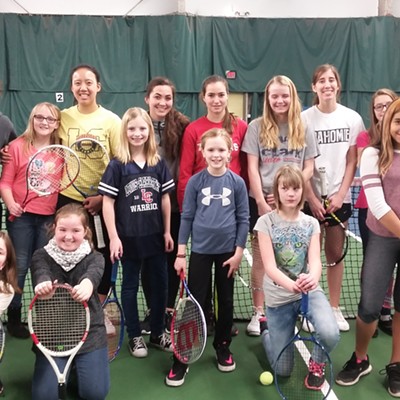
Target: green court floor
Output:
[(138, 379)]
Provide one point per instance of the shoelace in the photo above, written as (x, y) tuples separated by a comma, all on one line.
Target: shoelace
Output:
[(137, 343), (316, 368)]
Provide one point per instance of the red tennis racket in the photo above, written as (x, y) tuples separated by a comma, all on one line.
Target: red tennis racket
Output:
[(188, 327), (59, 326), (50, 170)]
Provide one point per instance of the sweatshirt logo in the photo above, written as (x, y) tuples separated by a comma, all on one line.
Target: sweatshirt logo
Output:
[(208, 196)]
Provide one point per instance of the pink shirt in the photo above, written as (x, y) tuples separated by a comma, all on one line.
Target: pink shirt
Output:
[(362, 142), (13, 177)]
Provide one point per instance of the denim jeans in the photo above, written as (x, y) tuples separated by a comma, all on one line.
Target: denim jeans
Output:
[(92, 370), (282, 321), (157, 269), (28, 233)]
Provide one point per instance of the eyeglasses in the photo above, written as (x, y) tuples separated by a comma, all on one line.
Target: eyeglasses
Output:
[(380, 107), (49, 120)]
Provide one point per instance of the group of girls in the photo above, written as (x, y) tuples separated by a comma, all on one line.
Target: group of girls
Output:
[(155, 150)]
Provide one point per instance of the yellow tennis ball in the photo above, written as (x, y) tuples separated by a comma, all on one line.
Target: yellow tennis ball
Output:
[(266, 378)]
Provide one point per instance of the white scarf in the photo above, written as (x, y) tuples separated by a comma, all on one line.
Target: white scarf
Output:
[(67, 259)]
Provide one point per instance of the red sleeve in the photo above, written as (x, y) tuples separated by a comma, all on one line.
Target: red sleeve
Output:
[(186, 166)]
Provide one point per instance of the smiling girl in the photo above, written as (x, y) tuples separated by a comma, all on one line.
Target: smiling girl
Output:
[(28, 231), (137, 210), (335, 128), (276, 138)]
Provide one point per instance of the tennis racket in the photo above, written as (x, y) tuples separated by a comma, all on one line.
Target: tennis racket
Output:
[(59, 326), (296, 361), (113, 318), (50, 170), (188, 327), (94, 160), (332, 219)]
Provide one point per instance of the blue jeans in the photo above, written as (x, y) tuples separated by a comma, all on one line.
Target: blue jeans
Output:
[(157, 271), (92, 370), (28, 233), (282, 321)]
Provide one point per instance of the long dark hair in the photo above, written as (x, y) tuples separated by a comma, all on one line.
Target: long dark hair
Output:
[(175, 121), (229, 119)]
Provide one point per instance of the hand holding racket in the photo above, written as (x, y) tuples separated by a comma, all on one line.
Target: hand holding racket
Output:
[(113, 318), (297, 374), (188, 327), (333, 220), (94, 160), (59, 326), (50, 170)]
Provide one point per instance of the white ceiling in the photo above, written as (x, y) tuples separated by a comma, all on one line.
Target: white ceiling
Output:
[(241, 8)]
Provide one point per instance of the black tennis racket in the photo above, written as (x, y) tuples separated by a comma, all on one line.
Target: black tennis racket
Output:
[(94, 159), (50, 170), (113, 318), (331, 220), (59, 326), (297, 375), (188, 327)]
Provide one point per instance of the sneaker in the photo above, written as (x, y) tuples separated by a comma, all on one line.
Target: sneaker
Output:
[(234, 330), (308, 326), (253, 328), (342, 323), (162, 342), (145, 324), (316, 375), (168, 320), (110, 328), (225, 360), (353, 370), (263, 324), (176, 375), (385, 325), (137, 347), (393, 374)]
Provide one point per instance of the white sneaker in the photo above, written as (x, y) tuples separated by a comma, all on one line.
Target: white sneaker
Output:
[(342, 323), (110, 328), (253, 328), (137, 347), (308, 326)]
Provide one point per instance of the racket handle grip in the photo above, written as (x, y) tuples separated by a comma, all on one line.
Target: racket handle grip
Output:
[(304, 303), (62, 391)]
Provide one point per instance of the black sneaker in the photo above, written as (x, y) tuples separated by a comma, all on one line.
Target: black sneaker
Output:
[(168, 320), (386, 326), (145, 324), (226, 363), (137, 347), (316, 375), (162, 342), (176, 375), (393, 374), (352, 371)]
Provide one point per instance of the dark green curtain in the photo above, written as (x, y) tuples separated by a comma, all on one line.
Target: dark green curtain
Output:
[(37, 54)]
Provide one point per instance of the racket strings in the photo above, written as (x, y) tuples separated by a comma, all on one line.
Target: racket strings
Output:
[(59, 323), (188, 330), (114, 327), (52, 170)]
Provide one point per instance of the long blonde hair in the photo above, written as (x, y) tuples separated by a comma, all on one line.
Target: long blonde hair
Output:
[(385, 144), (29, 134), (150, 147), (269, 133)]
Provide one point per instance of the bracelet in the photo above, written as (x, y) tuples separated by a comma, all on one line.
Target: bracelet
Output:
[(181, 256)]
